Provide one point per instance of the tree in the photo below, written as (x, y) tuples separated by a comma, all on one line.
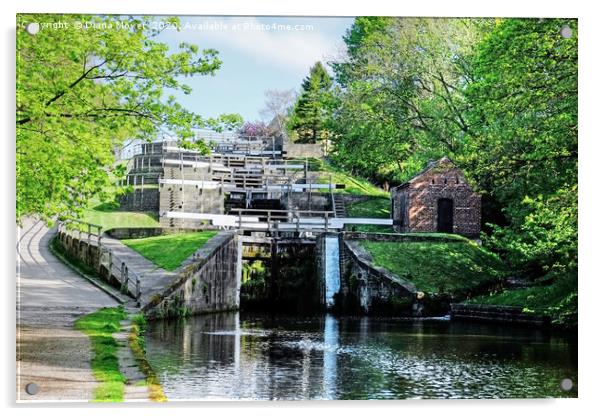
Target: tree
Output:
[(254, 129), (278, 104), (400, 93), (524, 152), (86, 83), (310, 111)]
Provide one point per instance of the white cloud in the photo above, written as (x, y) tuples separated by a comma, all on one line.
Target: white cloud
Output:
[(295, 50)]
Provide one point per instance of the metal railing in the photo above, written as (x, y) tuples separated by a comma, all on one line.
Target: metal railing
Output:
[(282, 220), (129, 280)]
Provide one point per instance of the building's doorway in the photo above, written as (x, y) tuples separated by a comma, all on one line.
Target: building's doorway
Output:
[(445, 215)]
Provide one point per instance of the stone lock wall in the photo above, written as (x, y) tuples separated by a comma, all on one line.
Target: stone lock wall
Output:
[(415, 203), (373, 289), (298, 150), (208, 282), (143, 200), (188, 198)]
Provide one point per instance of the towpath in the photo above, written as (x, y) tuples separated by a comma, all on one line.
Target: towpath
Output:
[(50, 297)]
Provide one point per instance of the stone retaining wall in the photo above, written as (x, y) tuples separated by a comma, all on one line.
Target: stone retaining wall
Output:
[(297, 150), (209, 281), (496, 313), (373, 289), (144, 200), (89, 254)]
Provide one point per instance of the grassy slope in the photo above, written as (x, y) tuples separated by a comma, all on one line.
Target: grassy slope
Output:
[(169, 251), (437, 267), (107, 216), (558, 300), (353, 185), (100, 326), (371, 208)]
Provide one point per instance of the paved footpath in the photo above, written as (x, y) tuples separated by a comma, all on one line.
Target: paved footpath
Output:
[(153, 279), (50, 297)]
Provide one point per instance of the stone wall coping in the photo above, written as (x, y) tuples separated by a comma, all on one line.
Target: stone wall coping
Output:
[(413, 237), (121, 233), (496, 313)]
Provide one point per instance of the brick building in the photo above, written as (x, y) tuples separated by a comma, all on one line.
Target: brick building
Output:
[(438, 199)]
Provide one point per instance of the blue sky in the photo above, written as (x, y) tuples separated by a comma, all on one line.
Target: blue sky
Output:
[(254, 58)]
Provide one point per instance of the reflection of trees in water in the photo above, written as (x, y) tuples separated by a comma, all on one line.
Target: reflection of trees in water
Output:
[(274, 356), (286, 281)]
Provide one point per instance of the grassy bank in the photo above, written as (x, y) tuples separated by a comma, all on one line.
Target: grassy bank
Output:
[(137, 345), (169, 251), (376, 207), (106, 215), (458, 268), (353, 185), (557, 300), (100, 326)]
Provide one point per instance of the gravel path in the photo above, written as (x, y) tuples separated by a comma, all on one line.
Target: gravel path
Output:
[(50, 297)]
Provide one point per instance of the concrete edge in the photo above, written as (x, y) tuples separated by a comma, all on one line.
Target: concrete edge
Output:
[(92, 280)]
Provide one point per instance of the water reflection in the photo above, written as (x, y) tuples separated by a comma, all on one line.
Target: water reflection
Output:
[(224, 356), (331, 345)]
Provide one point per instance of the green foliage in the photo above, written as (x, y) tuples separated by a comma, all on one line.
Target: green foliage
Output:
[(140, 320), (399, 101), (557, 300), (254, 273), (524, 155), (458, 269), (169, 251), (82, 91), (310, 110), (100, 326), (543, 234)]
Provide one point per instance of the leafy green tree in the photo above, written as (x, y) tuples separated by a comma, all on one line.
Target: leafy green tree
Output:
[(310, 111), (524, 152), (85, 84), (401, 93)]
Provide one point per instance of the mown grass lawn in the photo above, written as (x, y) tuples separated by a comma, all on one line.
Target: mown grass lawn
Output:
[(100, 326), (106, 215), (376, 207), (455, 268), (169, 251)]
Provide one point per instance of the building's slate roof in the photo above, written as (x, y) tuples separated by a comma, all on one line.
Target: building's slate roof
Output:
[(432, 164)]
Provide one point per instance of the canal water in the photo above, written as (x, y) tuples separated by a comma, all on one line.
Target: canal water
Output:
[(232, 356)]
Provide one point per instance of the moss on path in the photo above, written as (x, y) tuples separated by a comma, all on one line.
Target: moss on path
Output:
[(100, 326)]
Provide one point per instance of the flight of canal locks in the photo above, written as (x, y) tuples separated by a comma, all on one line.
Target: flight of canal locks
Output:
[(297, 294)]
